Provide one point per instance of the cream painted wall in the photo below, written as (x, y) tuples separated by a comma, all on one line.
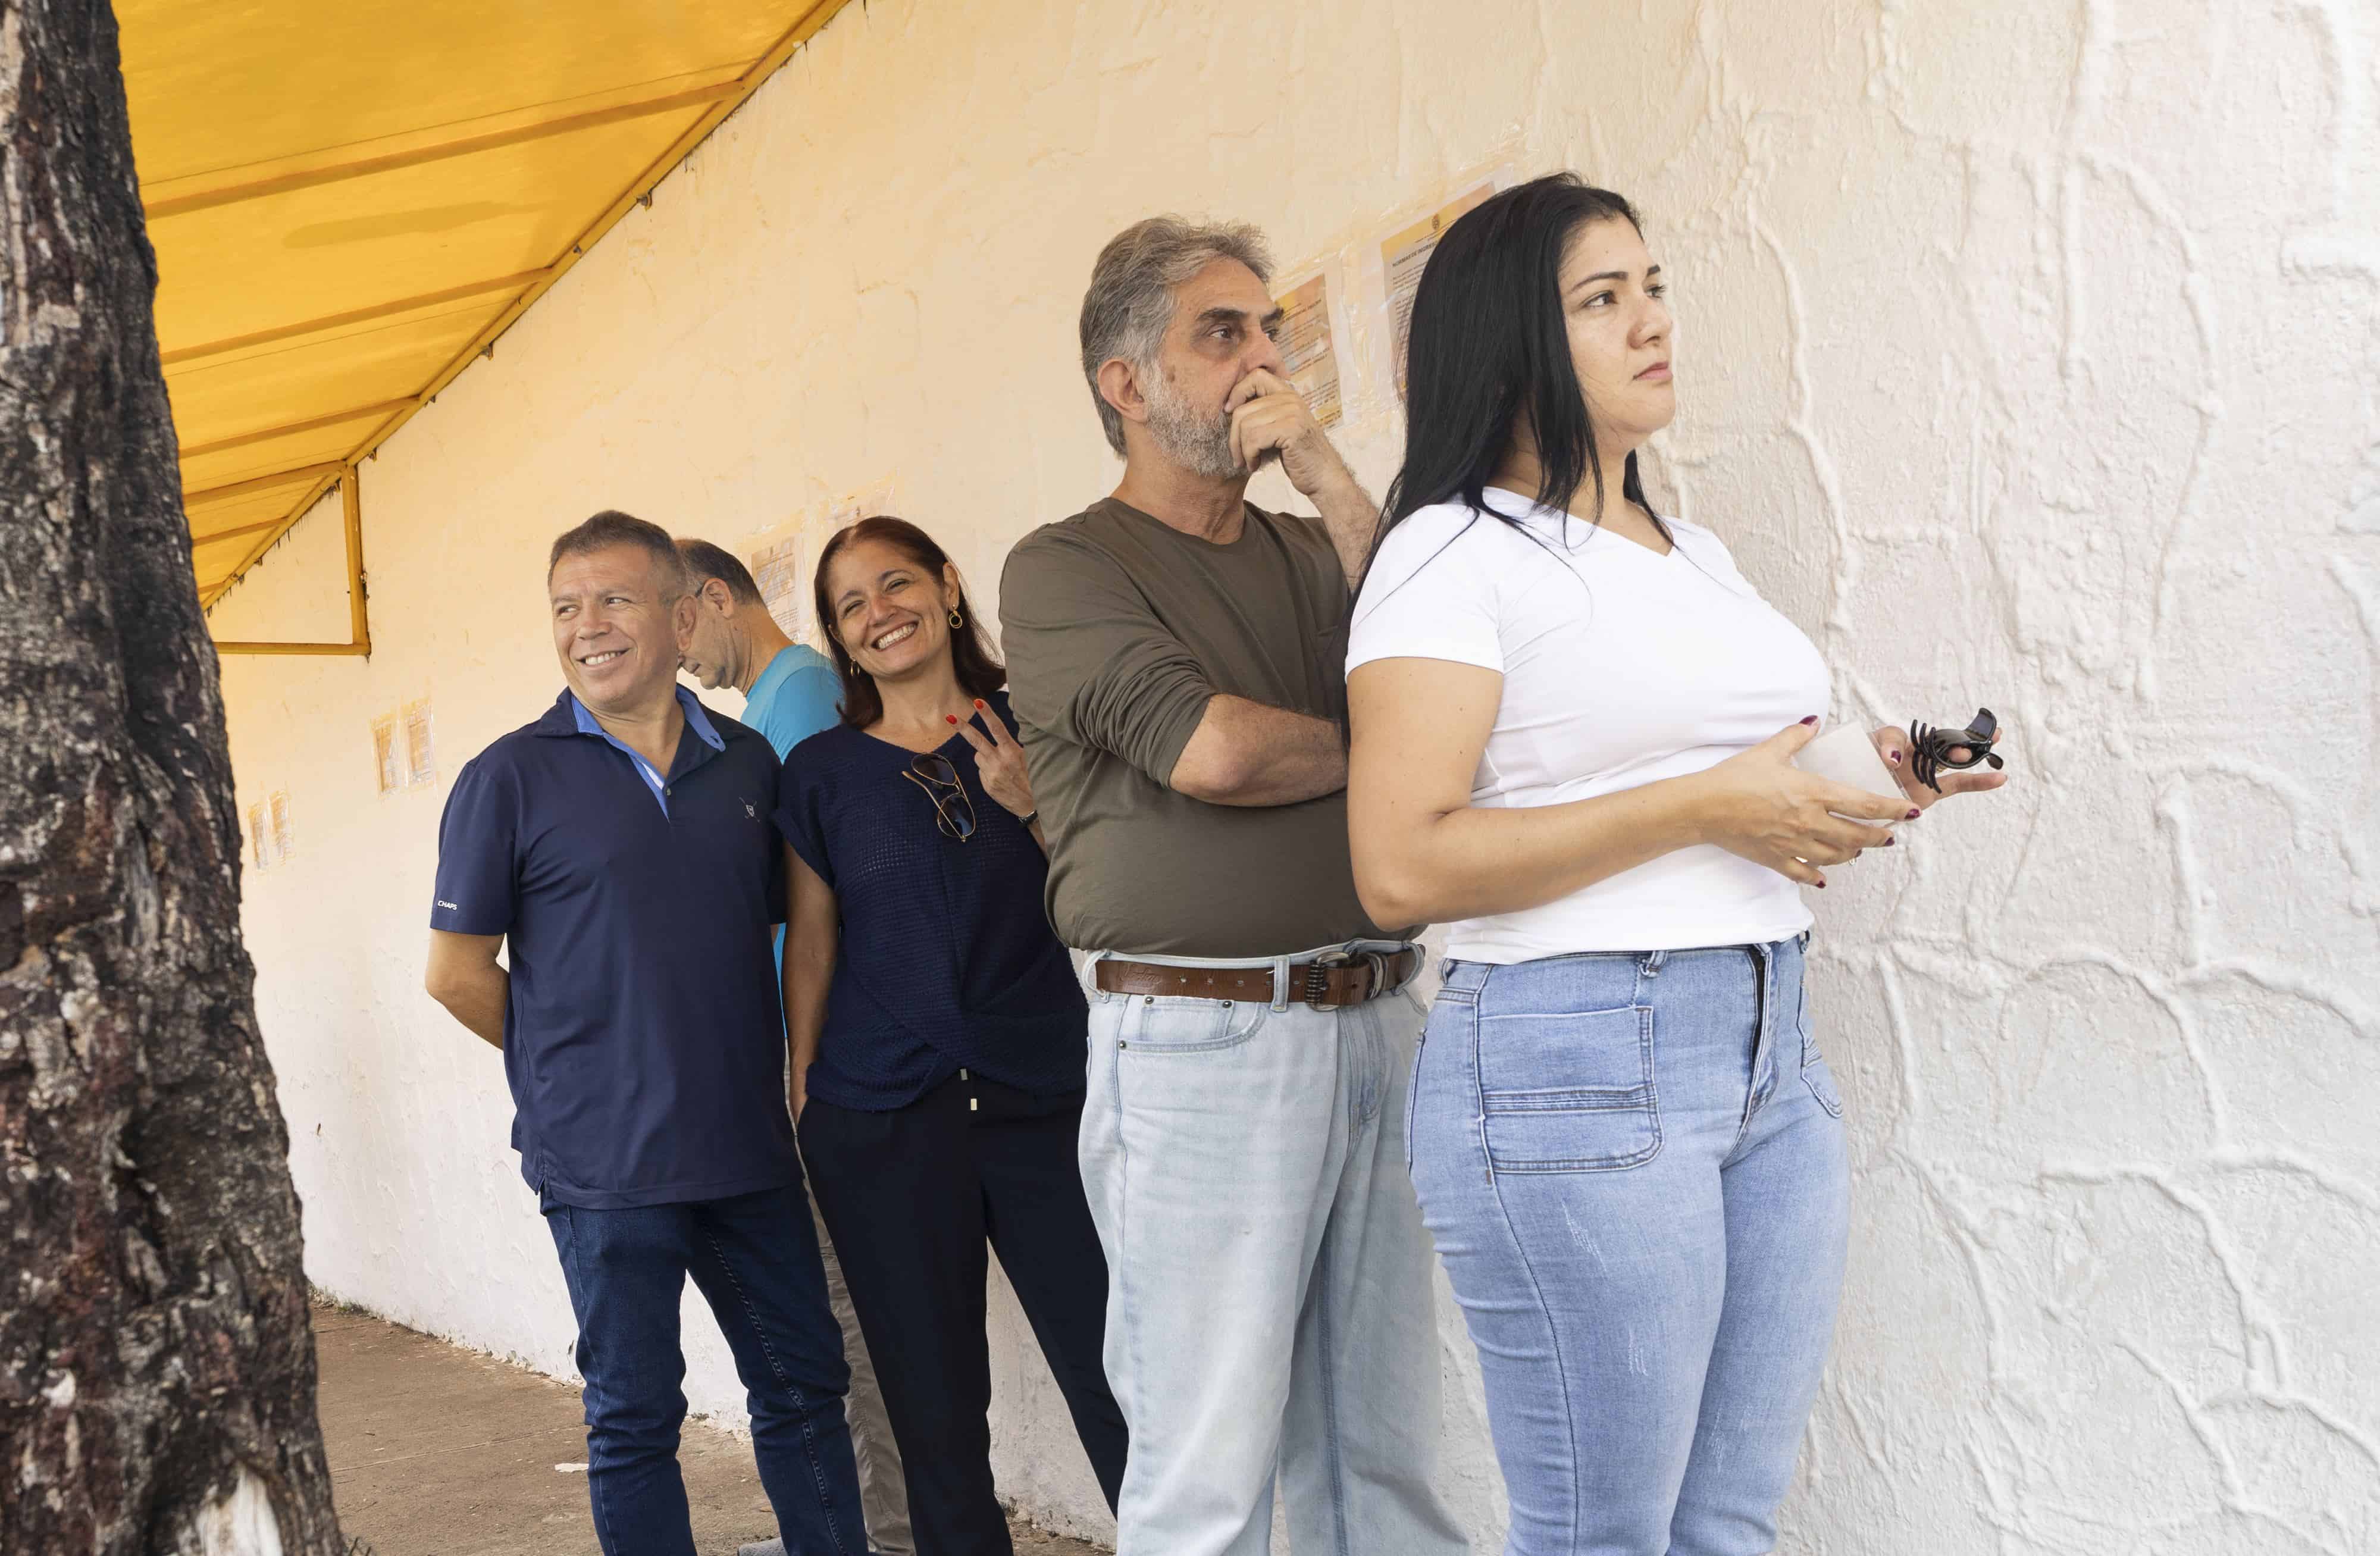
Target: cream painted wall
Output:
[(2027, 354)]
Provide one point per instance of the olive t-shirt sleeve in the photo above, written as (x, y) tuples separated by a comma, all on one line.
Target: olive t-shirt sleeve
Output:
[(1089, 662)]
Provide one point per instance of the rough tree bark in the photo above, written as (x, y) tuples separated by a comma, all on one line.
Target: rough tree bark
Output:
[(157, 1361)]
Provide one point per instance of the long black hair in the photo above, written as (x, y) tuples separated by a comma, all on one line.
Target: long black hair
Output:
[(979, 675), (1488, 355)]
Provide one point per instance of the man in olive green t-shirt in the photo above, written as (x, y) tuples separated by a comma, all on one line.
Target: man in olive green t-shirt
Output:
[(1176, 661)]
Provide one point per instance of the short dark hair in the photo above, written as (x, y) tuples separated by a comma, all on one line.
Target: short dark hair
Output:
[(705, 561), (979, 675), (613, 528)]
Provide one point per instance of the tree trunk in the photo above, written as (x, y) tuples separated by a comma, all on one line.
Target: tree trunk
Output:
[(156, 1360)]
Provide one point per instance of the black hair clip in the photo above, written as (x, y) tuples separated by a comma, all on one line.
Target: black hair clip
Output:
[(1932, 747)]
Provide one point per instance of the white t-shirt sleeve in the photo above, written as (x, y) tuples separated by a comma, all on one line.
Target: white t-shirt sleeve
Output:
[(1432, 593)]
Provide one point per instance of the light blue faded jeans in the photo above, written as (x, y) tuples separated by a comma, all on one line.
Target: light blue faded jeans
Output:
[(1634, 1165), (1269, 1291)]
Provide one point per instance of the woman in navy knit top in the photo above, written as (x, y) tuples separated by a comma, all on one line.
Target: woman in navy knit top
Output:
[(936, 1028)]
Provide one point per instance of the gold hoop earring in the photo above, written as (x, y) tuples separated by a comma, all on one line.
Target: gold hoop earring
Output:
[(957, 621)]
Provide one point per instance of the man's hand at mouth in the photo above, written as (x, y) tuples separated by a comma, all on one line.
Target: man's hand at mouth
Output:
[(1270, 420)]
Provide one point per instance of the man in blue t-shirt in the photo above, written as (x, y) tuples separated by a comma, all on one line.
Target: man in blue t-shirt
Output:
[(620, 848), (791, 692)]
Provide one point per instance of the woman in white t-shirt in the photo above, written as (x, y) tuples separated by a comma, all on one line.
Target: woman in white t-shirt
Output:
[(1572, 722)]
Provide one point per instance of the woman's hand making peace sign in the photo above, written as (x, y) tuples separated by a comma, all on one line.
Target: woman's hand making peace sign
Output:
[(1001, 762)]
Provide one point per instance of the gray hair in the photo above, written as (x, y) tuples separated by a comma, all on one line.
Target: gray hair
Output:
[(1131, 298)]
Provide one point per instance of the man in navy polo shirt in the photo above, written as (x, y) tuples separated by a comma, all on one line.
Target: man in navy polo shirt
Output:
[(621, 844)]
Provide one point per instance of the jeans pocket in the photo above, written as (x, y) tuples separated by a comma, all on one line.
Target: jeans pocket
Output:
[(1814, 1073), (1568, 1092), (1162, 1024)]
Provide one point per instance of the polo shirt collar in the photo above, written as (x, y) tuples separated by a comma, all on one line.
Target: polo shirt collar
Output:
[(569, 718), (583, 723)]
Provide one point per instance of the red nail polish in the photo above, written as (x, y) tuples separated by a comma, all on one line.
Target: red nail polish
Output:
[(952, 717), (1896, 755), (1811, 720), (1822, 885), (1913, 814), (978, 702)]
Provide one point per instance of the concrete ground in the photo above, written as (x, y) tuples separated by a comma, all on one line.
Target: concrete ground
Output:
[(437, 1451)]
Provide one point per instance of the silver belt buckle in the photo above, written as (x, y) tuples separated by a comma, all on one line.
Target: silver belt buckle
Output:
[(1317, 975)]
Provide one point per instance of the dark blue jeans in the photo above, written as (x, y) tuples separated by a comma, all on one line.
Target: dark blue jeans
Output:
[(756, 1259)]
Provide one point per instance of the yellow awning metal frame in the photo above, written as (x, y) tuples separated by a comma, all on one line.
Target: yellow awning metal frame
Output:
[(308, 483), (359, 619)]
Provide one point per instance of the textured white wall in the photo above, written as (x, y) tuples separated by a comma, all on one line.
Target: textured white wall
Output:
[(2027, 356)]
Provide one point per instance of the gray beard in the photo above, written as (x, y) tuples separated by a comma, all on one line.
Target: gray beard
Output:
[(1199, 444)]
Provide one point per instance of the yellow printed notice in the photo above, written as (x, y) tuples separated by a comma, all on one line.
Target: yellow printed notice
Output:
[(1404, 255), (1307, 349)]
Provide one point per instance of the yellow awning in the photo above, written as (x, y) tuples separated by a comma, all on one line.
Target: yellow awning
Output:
[(350, 201)]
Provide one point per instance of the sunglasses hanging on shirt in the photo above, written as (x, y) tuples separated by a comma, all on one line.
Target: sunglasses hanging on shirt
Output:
[(953, 811)]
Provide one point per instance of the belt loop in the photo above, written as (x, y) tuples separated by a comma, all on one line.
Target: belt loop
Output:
[(1280, 984), (1091, 975)]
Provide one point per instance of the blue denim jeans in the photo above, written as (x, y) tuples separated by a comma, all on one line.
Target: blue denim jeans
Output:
[(1635, 1169), (1268, 1294), (755, 1259)]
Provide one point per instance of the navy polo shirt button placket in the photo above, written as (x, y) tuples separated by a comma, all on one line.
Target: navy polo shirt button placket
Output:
[(697, 725)]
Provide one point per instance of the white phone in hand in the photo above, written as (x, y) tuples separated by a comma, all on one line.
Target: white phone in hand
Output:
[(1847, 755)]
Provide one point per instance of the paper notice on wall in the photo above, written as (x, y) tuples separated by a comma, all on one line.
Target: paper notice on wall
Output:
[(1404, 255), (878, 496), (1306, 348), (391, 775), (421, 756), (402, 748), (777, 571)]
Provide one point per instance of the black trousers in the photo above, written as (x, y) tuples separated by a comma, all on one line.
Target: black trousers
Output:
[(911, 1198)]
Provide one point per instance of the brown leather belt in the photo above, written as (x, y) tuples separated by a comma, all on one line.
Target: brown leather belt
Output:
[(1340, 978)]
